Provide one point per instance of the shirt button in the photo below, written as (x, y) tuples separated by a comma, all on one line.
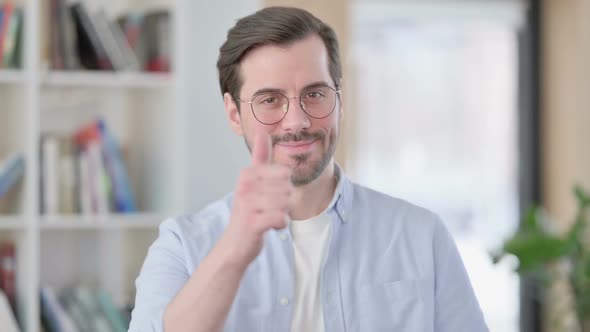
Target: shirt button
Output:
[(284, 301), (283, 236)]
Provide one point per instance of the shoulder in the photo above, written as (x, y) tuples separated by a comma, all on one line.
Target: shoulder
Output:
[(202, 227), (395, 210)]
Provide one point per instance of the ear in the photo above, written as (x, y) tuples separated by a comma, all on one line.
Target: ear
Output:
[(233, 114)]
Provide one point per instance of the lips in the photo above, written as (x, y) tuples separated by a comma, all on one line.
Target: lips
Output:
[(297, 143), (297, 147)]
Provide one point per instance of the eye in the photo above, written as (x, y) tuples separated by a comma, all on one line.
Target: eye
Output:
[(269, 100), (314, 94)]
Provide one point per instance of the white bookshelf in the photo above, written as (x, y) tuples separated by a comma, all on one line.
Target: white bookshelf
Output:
[(145, 113), (10, 76), (107, 79), (12, 223), (146, 221)]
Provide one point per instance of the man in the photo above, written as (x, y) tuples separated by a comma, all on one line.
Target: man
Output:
[(297, 246)]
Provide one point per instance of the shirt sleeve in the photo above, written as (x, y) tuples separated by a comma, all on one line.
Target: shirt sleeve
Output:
[(163, 274), (456, 307)]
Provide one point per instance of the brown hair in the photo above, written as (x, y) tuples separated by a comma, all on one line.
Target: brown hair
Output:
[(272, 25)]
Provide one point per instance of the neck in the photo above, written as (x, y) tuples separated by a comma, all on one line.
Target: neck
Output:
[(313, 198)]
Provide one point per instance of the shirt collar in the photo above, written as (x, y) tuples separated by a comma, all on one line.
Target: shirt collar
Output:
[(342, 199)]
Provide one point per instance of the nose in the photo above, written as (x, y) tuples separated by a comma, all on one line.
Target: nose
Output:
[(296, 119)]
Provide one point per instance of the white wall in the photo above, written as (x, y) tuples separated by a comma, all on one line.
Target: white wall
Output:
[(214, 154)]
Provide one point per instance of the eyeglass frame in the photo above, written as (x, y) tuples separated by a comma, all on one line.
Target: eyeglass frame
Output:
[(336, 91)]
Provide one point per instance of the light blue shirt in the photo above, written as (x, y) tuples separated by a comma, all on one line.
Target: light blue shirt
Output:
[(390, 266)]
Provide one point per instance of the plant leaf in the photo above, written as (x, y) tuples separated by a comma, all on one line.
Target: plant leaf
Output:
[(535, 250)]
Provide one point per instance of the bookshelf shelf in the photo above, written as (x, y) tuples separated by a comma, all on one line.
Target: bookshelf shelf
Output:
[(12, 223), (146, 221), (93, 79), (11, 76)]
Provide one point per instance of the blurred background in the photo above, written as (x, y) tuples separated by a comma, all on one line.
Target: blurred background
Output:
[(111, 120)]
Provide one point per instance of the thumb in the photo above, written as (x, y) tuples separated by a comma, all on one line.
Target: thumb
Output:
[(261, 150)]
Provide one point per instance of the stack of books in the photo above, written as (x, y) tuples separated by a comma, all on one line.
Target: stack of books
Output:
[(84, 173), (81, 309), (83, 39)]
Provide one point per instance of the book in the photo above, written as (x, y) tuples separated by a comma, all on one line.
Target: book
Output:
[(132, 27), (11, 48), (62, 36), (124, 200), (131, 60), (116, 318), (67, 176), (75, 310), (82, 302), (106, 37), (56, 33), (53, 315), (11, 170), (7, 319), (7, 11), (84, 184), (8, 272), (158, 29), (88, 139), (100, 184), (91, 51), (1, 20), (60, 176), (50, 174)]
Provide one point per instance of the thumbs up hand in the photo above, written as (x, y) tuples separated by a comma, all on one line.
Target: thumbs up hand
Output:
[(260, 203), (262, 150)]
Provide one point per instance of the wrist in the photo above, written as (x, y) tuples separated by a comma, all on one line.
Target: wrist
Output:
[(230, 255)]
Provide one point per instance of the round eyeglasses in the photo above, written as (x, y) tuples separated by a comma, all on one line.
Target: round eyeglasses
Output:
[(270, 108)]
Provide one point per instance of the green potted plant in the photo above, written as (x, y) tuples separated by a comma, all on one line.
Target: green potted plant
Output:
[(561, 263)]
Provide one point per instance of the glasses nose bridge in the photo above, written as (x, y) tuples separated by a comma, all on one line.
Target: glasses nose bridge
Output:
[(298, 98), (295, 117)]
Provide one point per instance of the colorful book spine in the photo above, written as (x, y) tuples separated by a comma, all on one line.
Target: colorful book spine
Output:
[(8, 272), (11, 44), (11, 171), (123, 195), (7, 10), (53, 314), (116, 319)]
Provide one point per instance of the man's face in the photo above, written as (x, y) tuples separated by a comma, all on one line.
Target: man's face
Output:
[(303, 143)]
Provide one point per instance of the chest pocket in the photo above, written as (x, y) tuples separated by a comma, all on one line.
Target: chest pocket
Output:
[(394, 306)]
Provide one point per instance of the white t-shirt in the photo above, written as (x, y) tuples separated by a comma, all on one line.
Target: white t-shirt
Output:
[(310, 239)]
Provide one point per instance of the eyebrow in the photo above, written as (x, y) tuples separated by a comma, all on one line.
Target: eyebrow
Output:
[(275, 90)]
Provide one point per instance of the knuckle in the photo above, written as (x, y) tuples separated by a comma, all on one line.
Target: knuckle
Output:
[(245, 185)]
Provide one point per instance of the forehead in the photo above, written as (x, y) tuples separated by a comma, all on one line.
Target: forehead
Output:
[(287, 67)]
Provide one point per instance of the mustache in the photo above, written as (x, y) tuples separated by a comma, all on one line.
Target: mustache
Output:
[(300, 136)]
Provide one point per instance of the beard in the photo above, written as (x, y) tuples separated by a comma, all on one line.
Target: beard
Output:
[(307, 170)]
